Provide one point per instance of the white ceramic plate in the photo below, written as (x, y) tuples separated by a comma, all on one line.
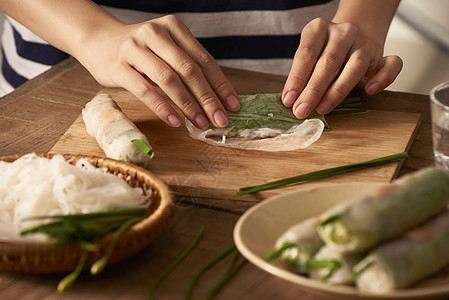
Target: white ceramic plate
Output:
[(258, 228)]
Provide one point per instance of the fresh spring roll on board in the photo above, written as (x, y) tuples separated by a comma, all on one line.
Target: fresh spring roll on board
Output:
[(333, 267), (402, 262), (299, 243), (360, 224), (115, 133)]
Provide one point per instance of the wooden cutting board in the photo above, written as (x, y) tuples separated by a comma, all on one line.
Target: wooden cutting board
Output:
[(197, 170)]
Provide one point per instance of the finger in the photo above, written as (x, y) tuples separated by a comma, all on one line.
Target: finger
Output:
[(145, 92), (390, 68), (313, 38), (327, 68), (352, 73), (211, 70), (193, 78), (168, 80)]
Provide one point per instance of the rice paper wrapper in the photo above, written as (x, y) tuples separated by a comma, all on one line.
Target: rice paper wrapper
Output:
[(263, 123)]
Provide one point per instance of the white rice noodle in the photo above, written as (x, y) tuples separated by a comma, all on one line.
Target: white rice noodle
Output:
[(35, 186)]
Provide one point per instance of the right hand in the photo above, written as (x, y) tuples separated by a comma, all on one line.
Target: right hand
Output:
[(165, 52)]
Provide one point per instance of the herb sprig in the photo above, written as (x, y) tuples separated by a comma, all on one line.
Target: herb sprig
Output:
[(83, 230), (316, 175)]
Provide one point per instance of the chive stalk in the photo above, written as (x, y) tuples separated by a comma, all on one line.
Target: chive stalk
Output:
[(143, 147), (170, 268), (71, 278), (206, 267), (276, 253), (225, 279), (317, 175), (98, 266)]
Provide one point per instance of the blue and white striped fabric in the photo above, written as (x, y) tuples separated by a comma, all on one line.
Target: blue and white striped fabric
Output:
[(258, 35)]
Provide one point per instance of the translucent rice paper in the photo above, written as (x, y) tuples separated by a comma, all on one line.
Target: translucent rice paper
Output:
[(263, 123), (113, 131)]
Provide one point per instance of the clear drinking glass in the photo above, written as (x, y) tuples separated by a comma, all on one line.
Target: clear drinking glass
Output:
[(439, 108)]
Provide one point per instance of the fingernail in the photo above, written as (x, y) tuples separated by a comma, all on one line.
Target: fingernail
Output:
[(290, 98), (201, 121), (232, 103), (220, 118), (324, 107), (372, 88), (174, 120), (303, 110)]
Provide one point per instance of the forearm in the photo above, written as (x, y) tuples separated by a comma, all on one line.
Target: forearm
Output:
[(66, 24), (372, 17)]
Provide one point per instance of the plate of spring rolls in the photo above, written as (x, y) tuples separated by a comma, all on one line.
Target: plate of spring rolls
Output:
[(351, 240)]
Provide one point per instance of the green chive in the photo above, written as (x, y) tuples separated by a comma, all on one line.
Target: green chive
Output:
[(330, 264), (317, 175), (225, 279), (176, 262), (276, 253), (71, 278), (345, 112), (206, 267), (143, 147), (100, 264), (233, 260)]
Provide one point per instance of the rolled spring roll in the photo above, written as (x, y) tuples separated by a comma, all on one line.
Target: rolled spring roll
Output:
[(400, 263), (114, 132), (357, 225), (333, 267), (300, 242)]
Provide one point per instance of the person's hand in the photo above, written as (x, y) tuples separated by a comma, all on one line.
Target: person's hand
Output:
[(161, 51), (331, 60)]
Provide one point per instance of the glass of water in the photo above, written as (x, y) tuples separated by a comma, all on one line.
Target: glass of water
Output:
[(439, 108)]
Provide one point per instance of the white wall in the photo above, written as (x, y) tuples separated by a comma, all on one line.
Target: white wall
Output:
[(419, 34)]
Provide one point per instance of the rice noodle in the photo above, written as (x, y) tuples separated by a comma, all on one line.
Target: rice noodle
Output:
[(36, 186)]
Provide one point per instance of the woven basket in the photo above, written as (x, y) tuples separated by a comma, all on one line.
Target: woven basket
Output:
[(43, 258)]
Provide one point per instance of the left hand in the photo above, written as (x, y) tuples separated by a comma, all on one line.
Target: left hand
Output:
[(331, 60)]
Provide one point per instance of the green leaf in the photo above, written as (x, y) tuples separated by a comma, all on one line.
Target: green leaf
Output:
[(265, 111), (143, 147)]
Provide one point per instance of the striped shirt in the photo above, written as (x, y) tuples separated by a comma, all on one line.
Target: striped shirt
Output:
[(258, 35)]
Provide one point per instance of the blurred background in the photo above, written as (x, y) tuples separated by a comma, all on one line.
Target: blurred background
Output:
[(419, 34)]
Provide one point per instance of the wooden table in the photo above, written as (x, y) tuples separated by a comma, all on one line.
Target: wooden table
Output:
[(35, 116)]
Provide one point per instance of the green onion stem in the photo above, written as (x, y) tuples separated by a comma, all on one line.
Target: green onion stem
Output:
[(71, 278), (233, 260), (176, 262), (330, 264), (143, 147), (316, 175), (276, 253), (345, 112), (228, 276), (206, 267), (100, 264)]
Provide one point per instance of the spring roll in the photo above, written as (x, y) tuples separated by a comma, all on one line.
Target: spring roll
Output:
[(333, 267), (360, 224), (114, 132), (301, 242), (400, 263)]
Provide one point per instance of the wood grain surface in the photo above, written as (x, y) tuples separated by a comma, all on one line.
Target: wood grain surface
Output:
[(192, 167), (34, 118)]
